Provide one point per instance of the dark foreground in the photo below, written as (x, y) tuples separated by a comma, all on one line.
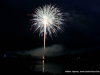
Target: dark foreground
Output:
[(28, 65)]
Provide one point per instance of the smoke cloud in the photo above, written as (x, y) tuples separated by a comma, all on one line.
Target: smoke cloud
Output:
[(54, 50)]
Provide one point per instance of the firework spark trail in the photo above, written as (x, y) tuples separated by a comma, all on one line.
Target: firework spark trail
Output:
[(48, 19), (44, 39)]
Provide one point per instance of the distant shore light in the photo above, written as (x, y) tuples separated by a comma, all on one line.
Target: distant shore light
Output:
[(4, 55)]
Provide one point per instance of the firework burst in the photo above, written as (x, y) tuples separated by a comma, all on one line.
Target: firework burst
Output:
[(48, 19)]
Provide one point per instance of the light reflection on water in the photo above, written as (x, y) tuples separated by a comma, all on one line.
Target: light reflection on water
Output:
[(48, 67), (43, 66)]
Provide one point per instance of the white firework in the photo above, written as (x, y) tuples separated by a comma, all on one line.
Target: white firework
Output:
[(48, 19)]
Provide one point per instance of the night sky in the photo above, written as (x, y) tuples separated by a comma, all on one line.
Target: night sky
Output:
[(82, 33)]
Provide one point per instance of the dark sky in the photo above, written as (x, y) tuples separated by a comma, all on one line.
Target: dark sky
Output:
[(82, 33)]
